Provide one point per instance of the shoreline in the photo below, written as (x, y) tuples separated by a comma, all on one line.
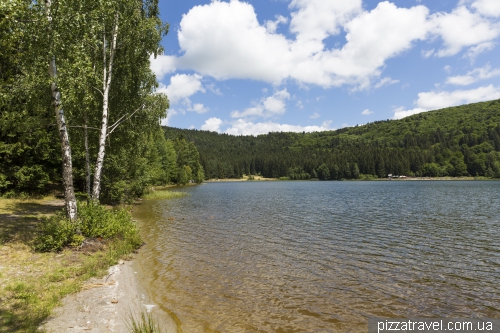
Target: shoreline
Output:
[(230, 180), (103, 304)]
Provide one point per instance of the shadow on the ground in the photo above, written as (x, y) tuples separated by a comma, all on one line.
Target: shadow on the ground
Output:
[(20, 224)]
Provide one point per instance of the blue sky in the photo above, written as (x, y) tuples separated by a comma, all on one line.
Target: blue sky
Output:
[(309, 65)]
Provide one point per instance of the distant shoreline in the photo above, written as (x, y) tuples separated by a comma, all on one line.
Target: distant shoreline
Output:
[(230, 180)]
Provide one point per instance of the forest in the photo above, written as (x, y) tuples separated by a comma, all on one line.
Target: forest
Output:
[(456, 141), (78, 101), (79, 106)]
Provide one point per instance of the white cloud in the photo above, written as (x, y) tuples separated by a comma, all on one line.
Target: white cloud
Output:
[(316, 19), (271, 26), (268, 107), (386, 81), (198, 108), (462, 28), (213, 124), (487, 7), (366, 112), (170, 114), (243, 127), (447, 69), (474, 76), (181, 87), (219, 47), (438, 100), (236, 45), (400, 112), (315, 115), (162, 65), (474, 51), (213, 89)]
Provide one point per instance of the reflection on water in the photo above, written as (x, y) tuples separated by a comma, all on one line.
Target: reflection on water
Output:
[(322, 256)]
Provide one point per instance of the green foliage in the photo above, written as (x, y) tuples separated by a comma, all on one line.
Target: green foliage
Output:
[(98, 221), (460, 141), (166, 194), (54, 233), (323, 172), (57, 232)]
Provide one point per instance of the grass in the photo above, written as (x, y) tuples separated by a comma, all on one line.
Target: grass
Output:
[(164, 195), (32, 284), (144, 324), (19, 217)]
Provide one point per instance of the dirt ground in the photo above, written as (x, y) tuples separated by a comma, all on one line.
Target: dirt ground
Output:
[(104, 305)]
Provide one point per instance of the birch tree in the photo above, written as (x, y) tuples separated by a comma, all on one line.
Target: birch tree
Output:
[(67, 166), (135, 34)]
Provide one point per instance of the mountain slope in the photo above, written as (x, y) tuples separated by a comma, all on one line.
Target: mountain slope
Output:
[(456, 141)]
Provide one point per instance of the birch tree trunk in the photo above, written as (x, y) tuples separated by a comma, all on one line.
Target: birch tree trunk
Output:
[(67, 166), (96, 189), (87, 158)]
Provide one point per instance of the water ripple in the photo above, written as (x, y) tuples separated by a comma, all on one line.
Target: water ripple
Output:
[(323, 256)]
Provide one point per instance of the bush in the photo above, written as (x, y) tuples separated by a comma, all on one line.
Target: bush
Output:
[(93, 221), (56, 232)]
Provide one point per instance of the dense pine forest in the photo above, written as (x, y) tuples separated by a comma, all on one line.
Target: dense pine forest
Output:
[(456, 141)]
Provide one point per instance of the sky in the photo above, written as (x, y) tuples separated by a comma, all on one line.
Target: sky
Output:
[(249, 68)]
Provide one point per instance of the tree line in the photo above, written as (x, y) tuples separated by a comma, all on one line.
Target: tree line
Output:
[(78, 101), (456, 141)]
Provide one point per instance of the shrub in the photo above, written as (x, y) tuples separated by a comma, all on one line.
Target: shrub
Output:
[(54, 233), (93, 221)]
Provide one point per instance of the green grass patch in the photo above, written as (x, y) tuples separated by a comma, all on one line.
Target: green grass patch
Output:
[(144, 324), (37, 271), (35, 283), (164, 195)]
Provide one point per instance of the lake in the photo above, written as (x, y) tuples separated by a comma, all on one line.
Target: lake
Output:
[(305, 256)]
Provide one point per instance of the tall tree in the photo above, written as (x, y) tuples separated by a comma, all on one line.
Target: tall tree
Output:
[(67, 166)]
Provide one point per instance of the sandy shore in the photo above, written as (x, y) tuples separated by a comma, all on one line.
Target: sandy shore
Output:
[(103, 305)]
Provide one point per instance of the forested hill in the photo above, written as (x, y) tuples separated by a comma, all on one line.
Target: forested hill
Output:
[(456, 141)]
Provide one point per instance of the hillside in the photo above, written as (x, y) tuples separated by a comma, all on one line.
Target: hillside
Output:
[(456, 141)]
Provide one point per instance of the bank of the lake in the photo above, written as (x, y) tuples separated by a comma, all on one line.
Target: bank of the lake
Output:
[(95, 297)]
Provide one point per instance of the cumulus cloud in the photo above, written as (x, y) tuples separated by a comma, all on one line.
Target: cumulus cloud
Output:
[(437, 100), (487, 7), (367, 112), (271, 26), (400, 112), (474, 76), (315, 115), (212, 124), (162, 65), (198, 108), (236, 45), (463, 28), (268, 107), (181, 87), (243, 127)]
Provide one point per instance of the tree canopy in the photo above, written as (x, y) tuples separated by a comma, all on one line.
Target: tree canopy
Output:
[(456, 141)]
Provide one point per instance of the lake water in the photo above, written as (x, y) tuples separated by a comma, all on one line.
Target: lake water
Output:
[(322, 256)]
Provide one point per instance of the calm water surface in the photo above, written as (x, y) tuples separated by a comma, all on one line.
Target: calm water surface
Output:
[(322, 256)]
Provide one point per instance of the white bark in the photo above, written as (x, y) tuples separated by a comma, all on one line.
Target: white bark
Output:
[(87, 158), (69, 192), (107, 74)]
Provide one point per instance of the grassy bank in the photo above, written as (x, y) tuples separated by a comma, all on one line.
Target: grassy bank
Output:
[(33, 283)]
